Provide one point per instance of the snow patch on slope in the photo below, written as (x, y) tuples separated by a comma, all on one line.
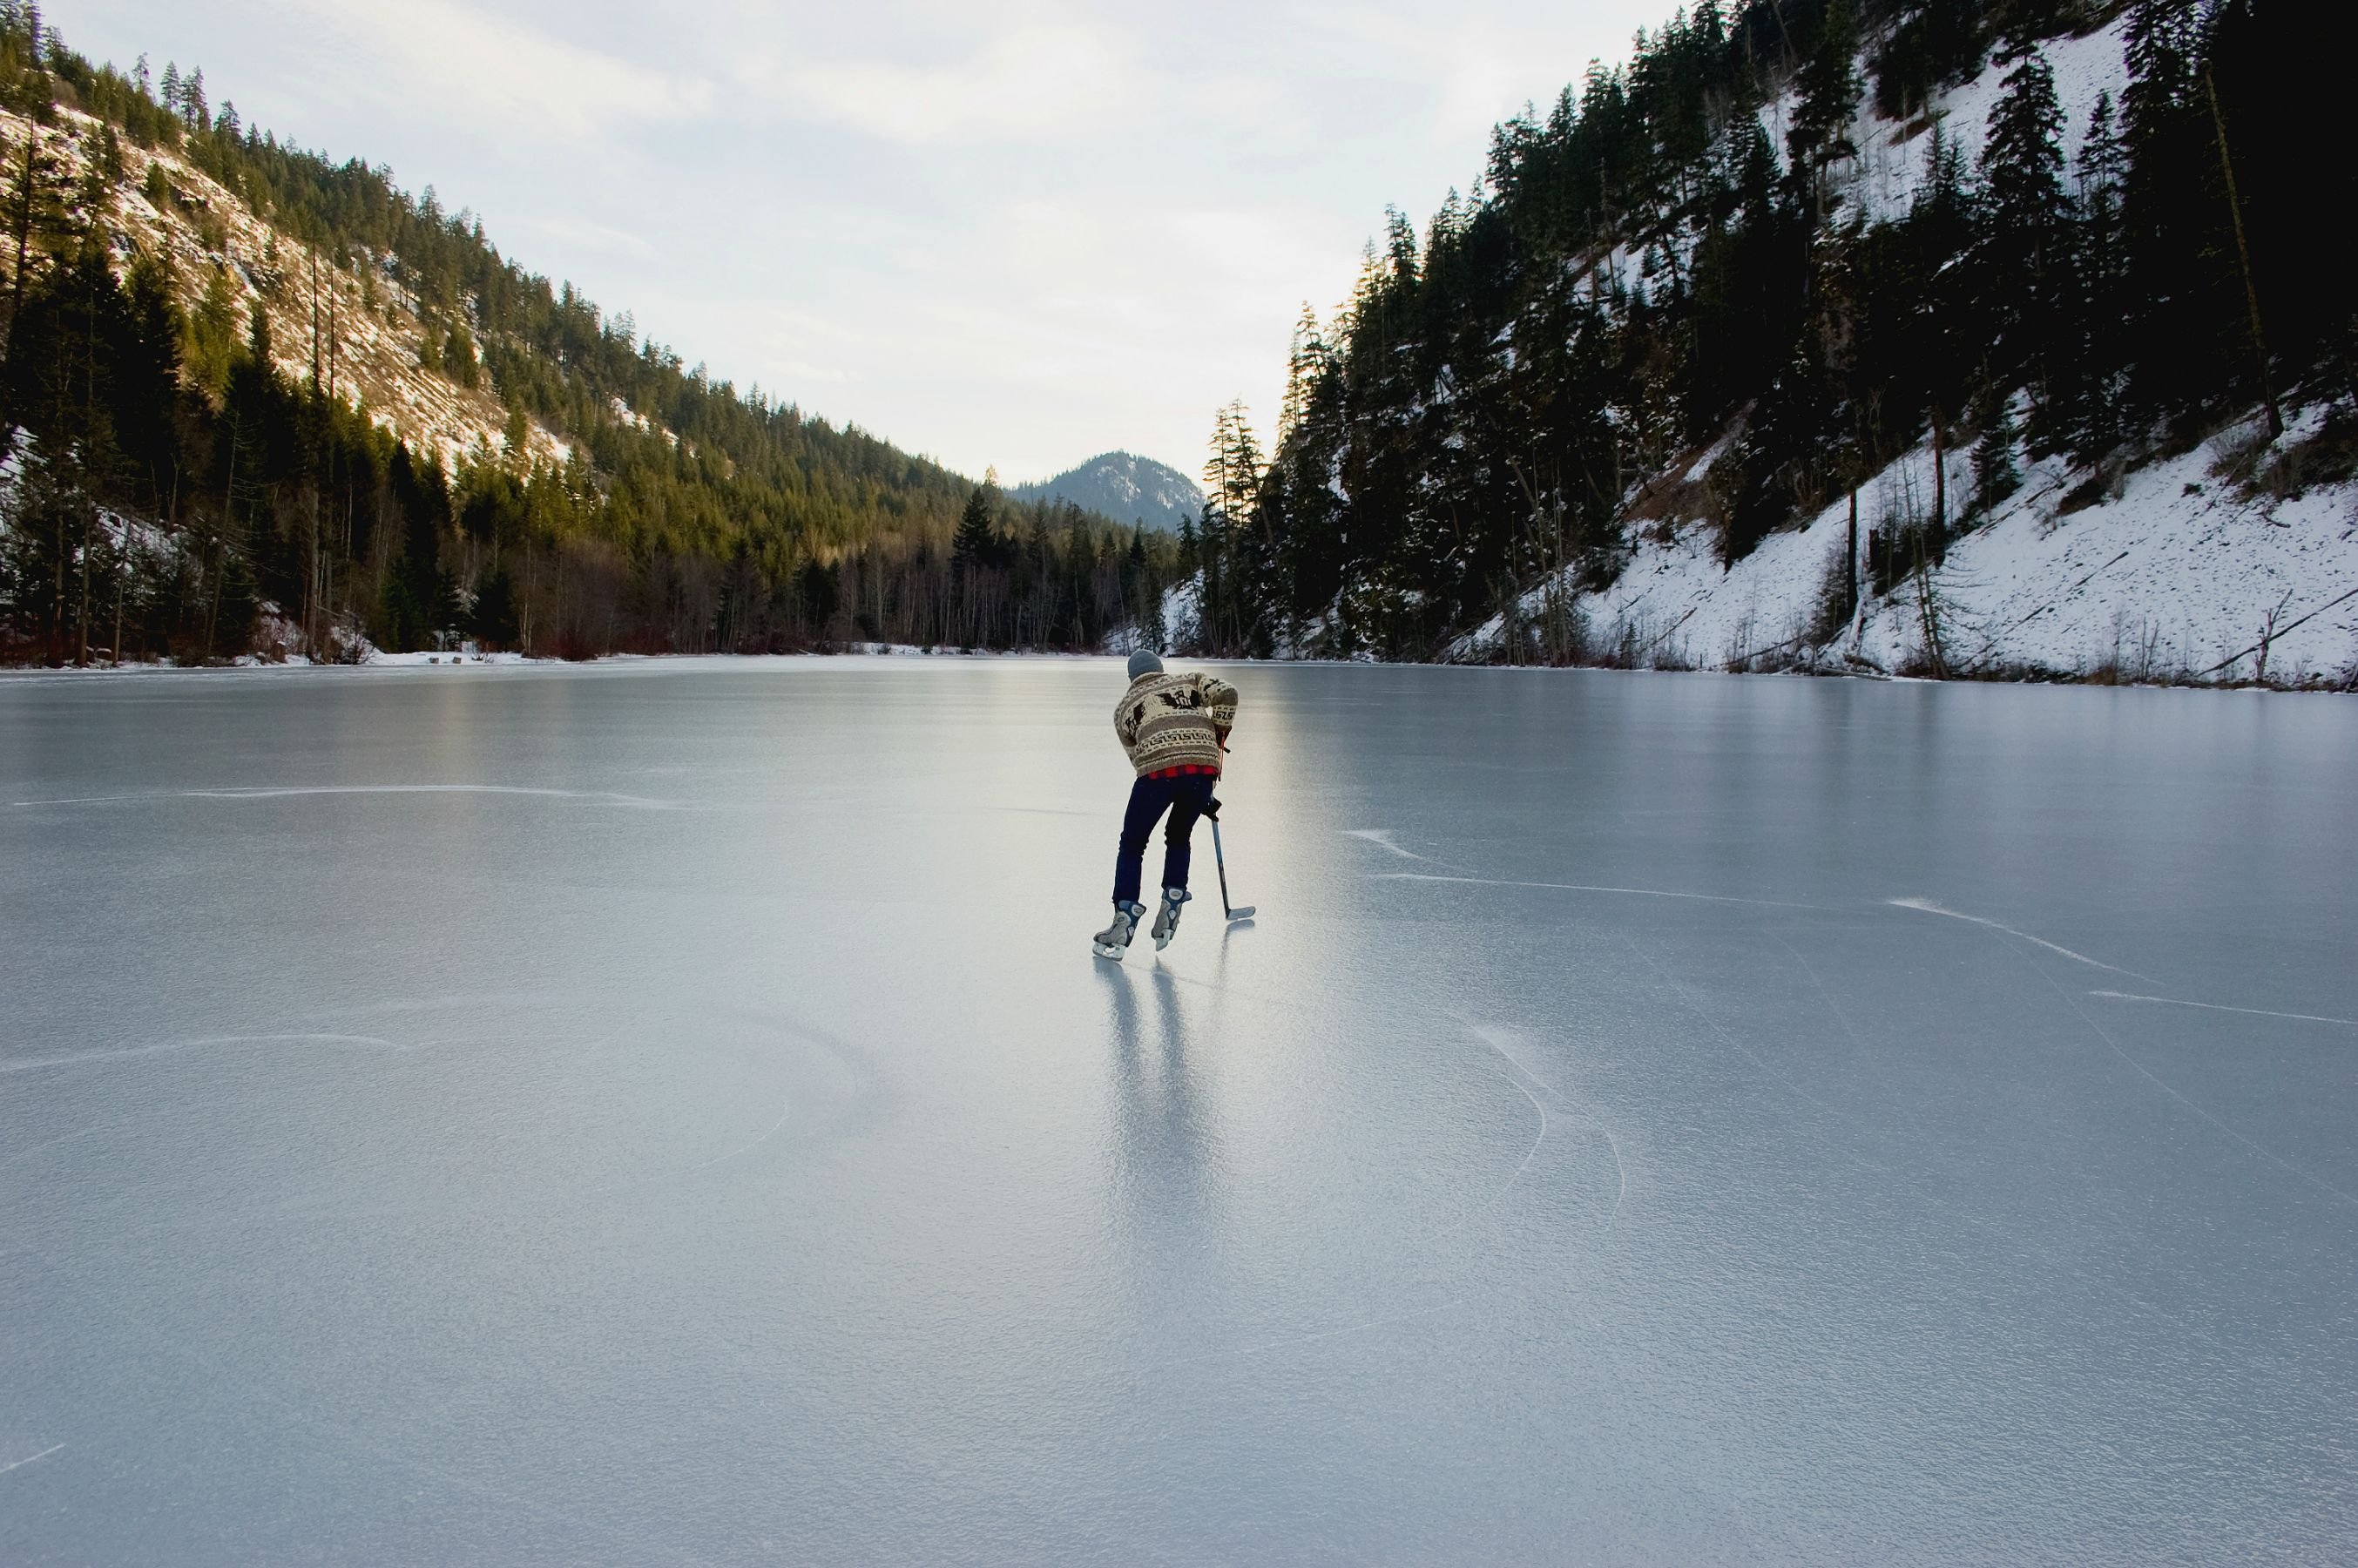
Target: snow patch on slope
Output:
[(2174, 578), (1891, 169), (372, 331)]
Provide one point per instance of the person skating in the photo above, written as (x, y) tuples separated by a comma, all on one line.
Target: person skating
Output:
[(1172, 728)]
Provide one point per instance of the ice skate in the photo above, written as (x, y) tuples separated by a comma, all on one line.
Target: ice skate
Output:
[(1166, 919), (1114, 940)]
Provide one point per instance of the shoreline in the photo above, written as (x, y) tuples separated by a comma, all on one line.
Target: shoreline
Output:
[(891, 653)]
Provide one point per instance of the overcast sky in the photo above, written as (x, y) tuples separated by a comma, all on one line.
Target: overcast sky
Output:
[(995, 233)]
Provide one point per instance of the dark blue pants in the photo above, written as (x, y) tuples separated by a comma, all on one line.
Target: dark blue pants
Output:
[(1183, 797)]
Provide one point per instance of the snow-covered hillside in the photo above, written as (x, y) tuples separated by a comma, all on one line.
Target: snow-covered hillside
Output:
[(1126, 488), (1890, 166), (370, 340), (2215, 564), (2188, 572)]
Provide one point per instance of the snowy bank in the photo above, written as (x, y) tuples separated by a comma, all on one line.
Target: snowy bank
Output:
[(2183, 571)]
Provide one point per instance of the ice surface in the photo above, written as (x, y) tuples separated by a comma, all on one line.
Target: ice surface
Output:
[(1712, 1142)]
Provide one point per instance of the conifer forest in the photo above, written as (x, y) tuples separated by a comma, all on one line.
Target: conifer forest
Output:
[(184, 484), (1648, 301)]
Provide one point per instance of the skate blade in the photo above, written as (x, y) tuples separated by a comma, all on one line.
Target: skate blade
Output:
[(1102, 951), (1163, 942)]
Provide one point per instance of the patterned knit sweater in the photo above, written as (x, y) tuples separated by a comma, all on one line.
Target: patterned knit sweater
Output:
[(1175, 721)]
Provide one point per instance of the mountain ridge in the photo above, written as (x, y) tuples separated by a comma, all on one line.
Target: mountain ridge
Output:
[(1125, 487)]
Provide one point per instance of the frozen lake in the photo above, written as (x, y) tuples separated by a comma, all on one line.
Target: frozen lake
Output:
[(667, 1112)]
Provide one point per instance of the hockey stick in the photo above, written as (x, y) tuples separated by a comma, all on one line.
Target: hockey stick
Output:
[(1212, 810)]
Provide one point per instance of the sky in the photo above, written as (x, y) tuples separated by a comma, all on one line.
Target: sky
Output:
[(1007, 235)]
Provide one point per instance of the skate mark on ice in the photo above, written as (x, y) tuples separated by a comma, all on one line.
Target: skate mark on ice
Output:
[(1499, 1040), (750, 1146), (1530, 1153), (1381, 837), (1491, 1038), (2221, 1007), (368, 1042), (2262, 1150), (1929, 907), (29, 1458), (275, 791), (1591, 887)]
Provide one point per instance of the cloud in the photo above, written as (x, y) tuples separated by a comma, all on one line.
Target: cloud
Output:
[(1028, 82), (487, 69)]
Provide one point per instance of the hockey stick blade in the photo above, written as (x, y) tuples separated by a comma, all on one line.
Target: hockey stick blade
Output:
[(1244, 913)]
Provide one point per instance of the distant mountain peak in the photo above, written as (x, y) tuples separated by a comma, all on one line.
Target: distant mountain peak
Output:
[(1125, 487)]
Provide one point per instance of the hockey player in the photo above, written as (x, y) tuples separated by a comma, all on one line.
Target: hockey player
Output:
[(1173, 728)]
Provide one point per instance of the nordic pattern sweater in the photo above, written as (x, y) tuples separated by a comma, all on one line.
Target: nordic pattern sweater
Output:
[(1169, 721)]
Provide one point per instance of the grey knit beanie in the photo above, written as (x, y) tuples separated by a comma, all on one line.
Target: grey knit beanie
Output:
[(1144, 663)]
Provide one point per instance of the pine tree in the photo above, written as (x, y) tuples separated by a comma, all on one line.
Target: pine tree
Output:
[(2174, 234), (1829, 87), (172, 86), (1995, 475), (1935, 43), (1306, 362), (2026, 219), (37, 220), (213, 334), (2096, 340), (974, 542)]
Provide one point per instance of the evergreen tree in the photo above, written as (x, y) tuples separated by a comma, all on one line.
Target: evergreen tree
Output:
[(2169, 218), (1829, 89), (1995, 475), (2096, 344), (2026, 221), (975, 542), (1934, 43), (36, 203)]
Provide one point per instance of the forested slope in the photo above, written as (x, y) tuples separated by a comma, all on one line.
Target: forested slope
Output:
[(252, 398), (1979, 270)]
